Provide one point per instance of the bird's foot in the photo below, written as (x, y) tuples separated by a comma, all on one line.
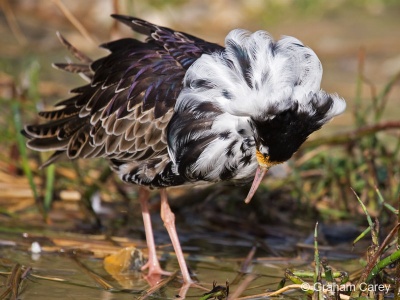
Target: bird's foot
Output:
[(154, 268), (154, 273)]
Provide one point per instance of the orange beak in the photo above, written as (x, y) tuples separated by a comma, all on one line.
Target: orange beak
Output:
[(260, 173)]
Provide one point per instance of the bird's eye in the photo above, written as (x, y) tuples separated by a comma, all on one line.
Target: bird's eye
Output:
[(264, 150)]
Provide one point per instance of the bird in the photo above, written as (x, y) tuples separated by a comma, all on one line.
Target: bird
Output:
[(175, 110)]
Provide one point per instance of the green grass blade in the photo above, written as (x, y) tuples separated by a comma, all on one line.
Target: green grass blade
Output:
[(48, 196), (328, 271), (370, 223), (384, 203), (382, 97), (395, 256), (362, 235)]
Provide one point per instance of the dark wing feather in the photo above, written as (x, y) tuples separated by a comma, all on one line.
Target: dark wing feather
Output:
[(183, 47), (124, 111)]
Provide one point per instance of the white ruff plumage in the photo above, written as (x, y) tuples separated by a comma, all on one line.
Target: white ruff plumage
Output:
[(254, 78), (279, 71)]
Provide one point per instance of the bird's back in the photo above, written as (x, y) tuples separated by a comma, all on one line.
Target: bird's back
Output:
[(122, 114)]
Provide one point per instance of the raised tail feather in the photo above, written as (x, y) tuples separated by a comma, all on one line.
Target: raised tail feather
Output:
[(82, 68), (64, 122)]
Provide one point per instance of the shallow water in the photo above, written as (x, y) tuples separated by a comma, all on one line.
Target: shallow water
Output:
[(222, 265), (81, 286)]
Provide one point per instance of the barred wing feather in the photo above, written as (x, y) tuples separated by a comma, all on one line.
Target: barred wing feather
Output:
[(124, 111)]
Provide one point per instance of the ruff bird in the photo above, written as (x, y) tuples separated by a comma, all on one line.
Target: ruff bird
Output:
[(176, 110)]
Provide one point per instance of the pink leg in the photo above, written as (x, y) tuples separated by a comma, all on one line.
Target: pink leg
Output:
[(152, 264), (169, 222)]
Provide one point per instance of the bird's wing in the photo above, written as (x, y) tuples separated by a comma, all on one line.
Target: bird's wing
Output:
[(123, 113)]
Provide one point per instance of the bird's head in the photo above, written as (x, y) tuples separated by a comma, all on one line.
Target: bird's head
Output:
[(280, 134)]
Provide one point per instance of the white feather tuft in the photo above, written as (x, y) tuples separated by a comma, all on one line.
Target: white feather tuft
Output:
[(254, 79), (256, 76)]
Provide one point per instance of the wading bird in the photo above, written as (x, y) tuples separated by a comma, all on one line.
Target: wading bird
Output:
[(176, 110)]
